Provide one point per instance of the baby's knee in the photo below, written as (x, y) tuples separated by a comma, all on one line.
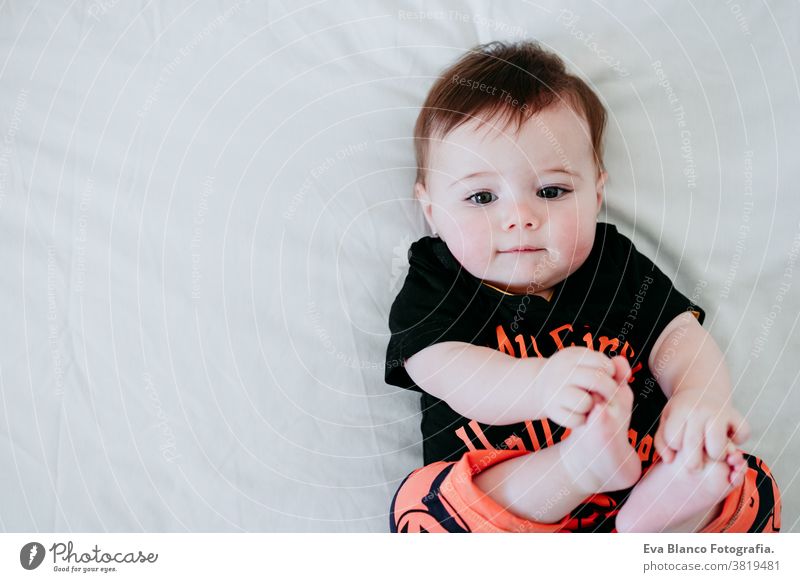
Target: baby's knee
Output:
[(417, 506)]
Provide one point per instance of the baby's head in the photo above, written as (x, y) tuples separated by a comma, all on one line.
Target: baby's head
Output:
[(509, 156)]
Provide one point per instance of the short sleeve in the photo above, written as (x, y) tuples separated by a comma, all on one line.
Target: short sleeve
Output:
[(436, 304), (653, 299)]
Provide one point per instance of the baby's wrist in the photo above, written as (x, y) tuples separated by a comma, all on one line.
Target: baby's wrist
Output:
[(711, 389), (526, 374)]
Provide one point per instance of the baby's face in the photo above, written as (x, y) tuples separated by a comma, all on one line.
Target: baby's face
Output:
[(517, 209)]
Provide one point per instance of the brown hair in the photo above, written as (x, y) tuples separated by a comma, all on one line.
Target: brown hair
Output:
[(512, 81)]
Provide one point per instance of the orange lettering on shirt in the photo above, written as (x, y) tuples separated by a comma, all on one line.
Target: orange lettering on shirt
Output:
[(645, 447), (535, 347), (548, 435), (656, 456), (523, 352), (473, 424), (557, 338), (625, 349), (605, 342), (503, 343), (514, 442), (532, 434), (462, 434)]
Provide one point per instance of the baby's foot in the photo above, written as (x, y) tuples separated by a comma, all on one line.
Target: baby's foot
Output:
[(598, 454), (670, 495)]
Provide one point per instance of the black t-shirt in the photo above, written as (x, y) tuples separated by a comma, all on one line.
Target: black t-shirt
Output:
[(618, 302)]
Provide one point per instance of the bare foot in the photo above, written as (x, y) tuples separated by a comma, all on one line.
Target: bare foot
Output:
[(598, 454), (671, 495)]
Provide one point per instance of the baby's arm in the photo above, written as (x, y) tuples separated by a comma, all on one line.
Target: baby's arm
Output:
[(494, 388), (690, 368), (477, 381)]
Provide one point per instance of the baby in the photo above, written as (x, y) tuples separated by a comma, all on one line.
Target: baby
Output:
[(566, 384)]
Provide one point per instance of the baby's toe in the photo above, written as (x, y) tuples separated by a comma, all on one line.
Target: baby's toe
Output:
[(737, 475), (736, 460)]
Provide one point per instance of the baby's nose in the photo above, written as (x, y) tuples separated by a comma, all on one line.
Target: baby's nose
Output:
[(521, 216)]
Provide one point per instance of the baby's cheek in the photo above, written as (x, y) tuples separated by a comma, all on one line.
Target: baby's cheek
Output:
[(472, 250), (585, 246), (573, 246), (461, 246)]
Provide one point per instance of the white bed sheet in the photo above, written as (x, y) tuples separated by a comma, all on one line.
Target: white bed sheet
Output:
[(205, 210)]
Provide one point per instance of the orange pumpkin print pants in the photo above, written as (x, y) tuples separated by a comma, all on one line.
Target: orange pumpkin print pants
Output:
[(442, 497)]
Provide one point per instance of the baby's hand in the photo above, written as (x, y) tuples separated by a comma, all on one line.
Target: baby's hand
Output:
[(700, 424), (572, 380)]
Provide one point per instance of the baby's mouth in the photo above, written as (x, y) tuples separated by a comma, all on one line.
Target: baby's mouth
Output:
[(521, 250)]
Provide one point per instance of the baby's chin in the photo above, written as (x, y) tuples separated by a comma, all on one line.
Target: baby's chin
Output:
[(519, 280), (522, 288), (519, 285)]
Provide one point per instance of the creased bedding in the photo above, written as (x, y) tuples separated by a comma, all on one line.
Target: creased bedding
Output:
[(205, 210)]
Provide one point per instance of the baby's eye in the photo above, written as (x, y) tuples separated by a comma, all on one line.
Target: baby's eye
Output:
[(482, 197), (552, 192)]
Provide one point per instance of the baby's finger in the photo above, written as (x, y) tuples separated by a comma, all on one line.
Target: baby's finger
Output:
[(673, 433), (596, 360), (661, 447), (739, 429), (716, 438), (622, 369), (594, 380), (693, 445), (569, 419), (577, 400), (622, 400)]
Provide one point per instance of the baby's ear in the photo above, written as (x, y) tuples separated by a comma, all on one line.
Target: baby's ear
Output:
[(600, 184), (424, 198)]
